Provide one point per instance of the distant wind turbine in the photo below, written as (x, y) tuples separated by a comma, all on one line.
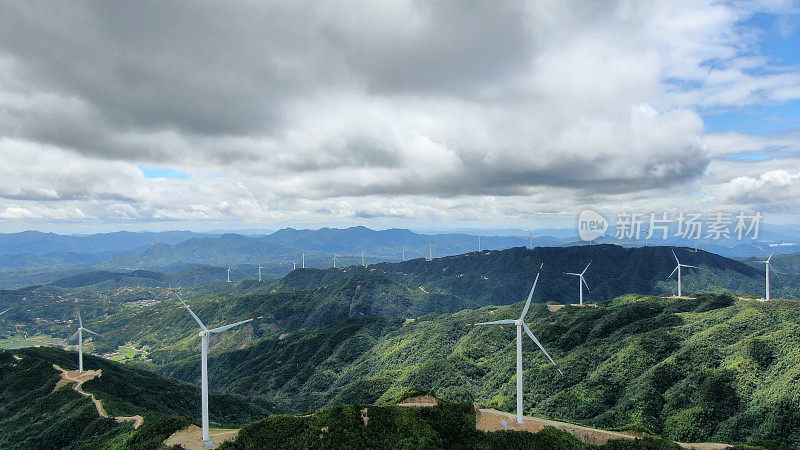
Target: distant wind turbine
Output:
[(678, 269), (5, 311), (479, 241), (530, 238), (334, 261), (229, 274), (294, 265), (259, 273), (362, 258), (204, 337), (520, 324), (430, 251), (581, 281), (304, 260), (79, 334)]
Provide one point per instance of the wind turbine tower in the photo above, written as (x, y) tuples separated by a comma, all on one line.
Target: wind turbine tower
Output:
[(530, 238), (304, 260), (259, 273), (581, 281), (204, 337), (520, 324), (430, 251), (334, 261), (767, 262), (229, 274), (362, 258), (79, 334), (479, 241), (678, 269)]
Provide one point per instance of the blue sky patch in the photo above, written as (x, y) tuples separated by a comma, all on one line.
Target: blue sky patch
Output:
[(163, 172)]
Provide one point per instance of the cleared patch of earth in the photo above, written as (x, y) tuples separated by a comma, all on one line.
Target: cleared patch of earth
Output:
[(189, 437)]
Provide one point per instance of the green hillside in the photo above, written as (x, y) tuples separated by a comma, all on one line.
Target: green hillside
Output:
[(708, 369), (445, 426), (34, 415)]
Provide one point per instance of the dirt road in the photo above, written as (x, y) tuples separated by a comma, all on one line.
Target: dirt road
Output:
[(72, 376)]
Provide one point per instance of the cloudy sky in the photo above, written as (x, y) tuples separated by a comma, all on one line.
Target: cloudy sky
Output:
[(394, 113)]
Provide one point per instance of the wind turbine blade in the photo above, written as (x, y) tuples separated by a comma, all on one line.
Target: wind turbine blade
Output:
[(673, 272), (80, 320), (584, 283), (90, 331), (530, 296), (686, 265), (587, 268), (7, 310), (570, 273), (530, 333), (497, 322), (74, 335), (676, 256), (770, 255), (227, 327), (196, 319)]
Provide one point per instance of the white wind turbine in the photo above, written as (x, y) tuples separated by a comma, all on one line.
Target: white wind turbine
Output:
[(79, 334), (229, 274), (294, 265), (362, 258), (479, 241), (581, 281), (520, 324), (304, 260), (204, 337), (430, 251), (530, 238), (259, 273), (678, 269), (334, 261), (6, 310), (767, 262)]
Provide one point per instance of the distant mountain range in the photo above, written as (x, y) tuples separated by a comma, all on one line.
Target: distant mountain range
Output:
[(31, 257)]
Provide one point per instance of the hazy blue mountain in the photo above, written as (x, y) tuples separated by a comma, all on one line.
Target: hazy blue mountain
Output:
[(38, 243)]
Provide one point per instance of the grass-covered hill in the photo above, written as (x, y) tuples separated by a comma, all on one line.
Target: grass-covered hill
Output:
[(445, 426), (34, 415), (709, 369)]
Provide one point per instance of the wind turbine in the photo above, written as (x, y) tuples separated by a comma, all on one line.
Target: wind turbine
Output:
[(204, 337), (362, 258), (430, 251), (767, 262), (334, 261), (7, 310), (304, 260), (79, 333), (678, 269), (294, 265), (530, 237), (520, 324), (581, 281), (479, 241), (229, 274), (259, 273)]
